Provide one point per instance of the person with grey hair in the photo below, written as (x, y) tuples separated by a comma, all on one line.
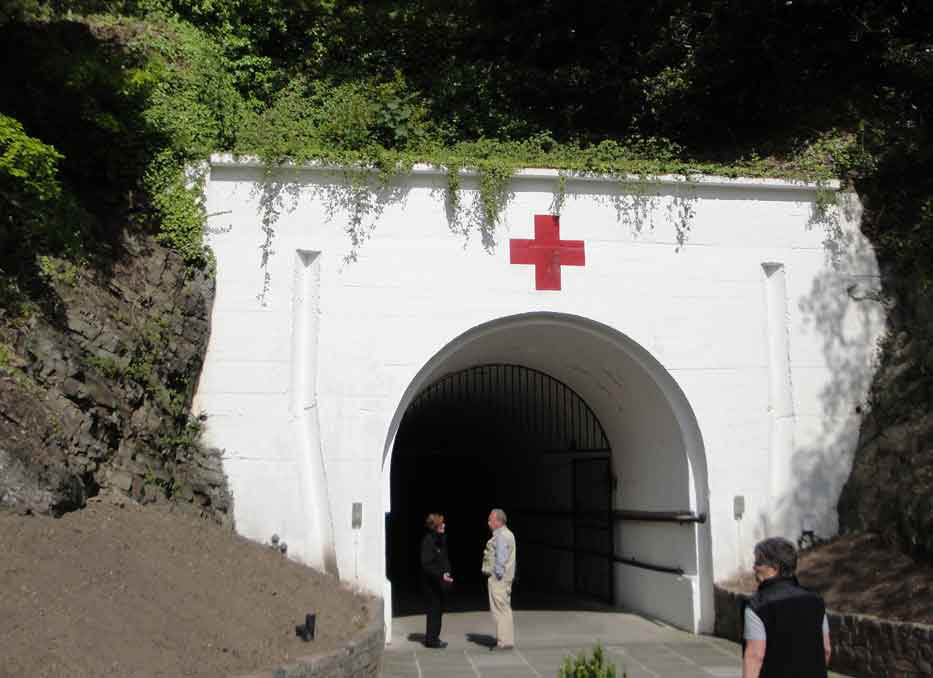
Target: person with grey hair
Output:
[(499, 568), (786, 629)]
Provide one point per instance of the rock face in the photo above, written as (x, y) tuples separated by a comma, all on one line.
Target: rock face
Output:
[(890, 490), (95, 391)]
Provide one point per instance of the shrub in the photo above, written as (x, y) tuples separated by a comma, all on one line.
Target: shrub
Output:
[(583, 666)]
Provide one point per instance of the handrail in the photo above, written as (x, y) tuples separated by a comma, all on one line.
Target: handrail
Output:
[(682, 517), (660, 516), (618, 559), (648, 566)]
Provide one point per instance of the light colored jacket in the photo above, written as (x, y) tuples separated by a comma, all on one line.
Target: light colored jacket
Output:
[(499, 556)]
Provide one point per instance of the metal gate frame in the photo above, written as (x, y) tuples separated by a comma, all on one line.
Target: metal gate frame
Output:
[(529, 399), (596, 519)]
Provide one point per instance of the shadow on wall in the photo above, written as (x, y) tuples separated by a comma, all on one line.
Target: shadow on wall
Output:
[(845, 309), (350, 193), (471, 203), (843, 306)]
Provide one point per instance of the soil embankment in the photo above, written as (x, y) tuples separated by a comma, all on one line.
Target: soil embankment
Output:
[(121, 589), (861, 574)]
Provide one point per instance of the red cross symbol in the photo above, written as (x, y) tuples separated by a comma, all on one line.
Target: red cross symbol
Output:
[(547, 252)]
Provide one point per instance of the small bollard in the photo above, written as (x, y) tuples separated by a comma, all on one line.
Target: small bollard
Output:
[(306, 631)]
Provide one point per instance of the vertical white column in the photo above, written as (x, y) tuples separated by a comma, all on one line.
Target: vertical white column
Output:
[(781, 401), (305, 324)]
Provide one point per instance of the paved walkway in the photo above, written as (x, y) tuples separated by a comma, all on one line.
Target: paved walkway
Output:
[(639, 647)]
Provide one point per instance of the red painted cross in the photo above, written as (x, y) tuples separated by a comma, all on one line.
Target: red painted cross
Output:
[(547, 252)]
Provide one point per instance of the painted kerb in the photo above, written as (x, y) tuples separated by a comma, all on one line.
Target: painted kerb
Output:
[(359, 658), (862, 645)]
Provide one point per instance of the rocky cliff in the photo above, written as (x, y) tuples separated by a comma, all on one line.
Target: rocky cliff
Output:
[(890, 490), (96, 386)]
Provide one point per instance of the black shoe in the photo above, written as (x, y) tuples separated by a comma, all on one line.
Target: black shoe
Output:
[(436, 644)]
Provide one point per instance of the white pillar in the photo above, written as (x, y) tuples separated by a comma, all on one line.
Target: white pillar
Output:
[(781, 402)]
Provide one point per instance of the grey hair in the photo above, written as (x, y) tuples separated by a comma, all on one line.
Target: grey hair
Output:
[(500, 515), (779, 553)]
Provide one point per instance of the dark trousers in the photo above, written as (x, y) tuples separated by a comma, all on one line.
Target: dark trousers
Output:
[(434, 599)]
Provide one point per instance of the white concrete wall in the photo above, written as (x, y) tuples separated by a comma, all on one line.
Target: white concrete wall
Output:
[(311, 357)]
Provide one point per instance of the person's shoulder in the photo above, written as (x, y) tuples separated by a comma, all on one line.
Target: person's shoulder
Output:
[(806, 590), (814, 595)]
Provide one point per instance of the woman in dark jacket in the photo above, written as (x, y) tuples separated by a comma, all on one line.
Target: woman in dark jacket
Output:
[(435, 576)]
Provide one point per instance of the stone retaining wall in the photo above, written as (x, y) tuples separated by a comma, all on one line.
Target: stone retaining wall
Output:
[(862, 645), (359, 658)]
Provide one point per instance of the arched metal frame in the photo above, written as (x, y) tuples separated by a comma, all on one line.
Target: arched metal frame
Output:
[(477, 340), (501, 387), (538, 407)]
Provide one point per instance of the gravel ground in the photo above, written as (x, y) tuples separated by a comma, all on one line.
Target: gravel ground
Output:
[(120, 589)]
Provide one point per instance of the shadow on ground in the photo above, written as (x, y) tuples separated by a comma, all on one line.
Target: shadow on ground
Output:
[(408, 603)]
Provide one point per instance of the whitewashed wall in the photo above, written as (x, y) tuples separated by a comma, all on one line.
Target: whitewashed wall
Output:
[(728, 366)]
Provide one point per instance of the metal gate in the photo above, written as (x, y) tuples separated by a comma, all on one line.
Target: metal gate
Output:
[(592, 528), (563, 507)]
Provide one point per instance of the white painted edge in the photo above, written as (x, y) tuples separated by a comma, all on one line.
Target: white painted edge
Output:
[(221, 160)]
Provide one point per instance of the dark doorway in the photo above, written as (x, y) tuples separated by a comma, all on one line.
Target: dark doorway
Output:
[(510, 437)]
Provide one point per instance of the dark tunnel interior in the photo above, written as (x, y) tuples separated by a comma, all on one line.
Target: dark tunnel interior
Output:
[(509, 437)]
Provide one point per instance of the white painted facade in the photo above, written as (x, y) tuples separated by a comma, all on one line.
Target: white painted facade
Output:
[(730, 366)]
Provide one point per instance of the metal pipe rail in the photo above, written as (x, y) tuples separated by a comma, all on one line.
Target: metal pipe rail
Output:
[(615, 558), (681, 517)]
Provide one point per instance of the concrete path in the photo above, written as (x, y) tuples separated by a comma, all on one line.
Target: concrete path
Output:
[(639, 647)]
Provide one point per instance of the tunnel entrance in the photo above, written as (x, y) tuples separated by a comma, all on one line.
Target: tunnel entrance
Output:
[(512, 437), (585, 440)]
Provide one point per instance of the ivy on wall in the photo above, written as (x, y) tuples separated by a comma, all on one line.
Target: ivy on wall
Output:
[(171, 82)]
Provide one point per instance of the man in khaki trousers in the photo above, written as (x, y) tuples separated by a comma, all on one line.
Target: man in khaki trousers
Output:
[(499, 568)]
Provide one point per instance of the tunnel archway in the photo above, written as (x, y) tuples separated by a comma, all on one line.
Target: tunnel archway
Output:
[(646, 488), (505, 435)]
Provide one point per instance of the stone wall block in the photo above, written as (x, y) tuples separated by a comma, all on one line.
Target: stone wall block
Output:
[(87, 416), (360, 657), (904, 666), (121, 480)]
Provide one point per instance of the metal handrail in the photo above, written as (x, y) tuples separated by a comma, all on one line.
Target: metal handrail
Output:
[(681, 517), (618, 559)]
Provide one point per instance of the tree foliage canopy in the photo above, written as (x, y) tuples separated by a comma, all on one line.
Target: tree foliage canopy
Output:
[(128, 91)]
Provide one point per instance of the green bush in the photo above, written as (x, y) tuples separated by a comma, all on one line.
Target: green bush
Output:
[(28, 167), (36, 215), (583, 666)]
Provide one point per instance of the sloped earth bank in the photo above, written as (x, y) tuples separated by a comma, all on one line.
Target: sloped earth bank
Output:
[(861, 574), (120, 589)]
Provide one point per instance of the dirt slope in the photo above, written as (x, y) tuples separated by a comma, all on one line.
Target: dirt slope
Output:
[(119, 589), (861, 573)]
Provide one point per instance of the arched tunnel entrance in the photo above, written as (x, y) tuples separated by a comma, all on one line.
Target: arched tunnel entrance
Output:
[(512, 437), (589, 445)]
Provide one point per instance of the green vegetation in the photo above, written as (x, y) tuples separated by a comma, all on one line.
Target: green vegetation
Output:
[(115, 99), (114, 105), (6, 356), (588, 666), (166, 484)]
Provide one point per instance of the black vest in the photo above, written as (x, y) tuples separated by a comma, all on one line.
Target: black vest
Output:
[(793, 619)]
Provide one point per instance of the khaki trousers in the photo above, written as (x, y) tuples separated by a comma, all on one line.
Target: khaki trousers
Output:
[(500, 604)]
